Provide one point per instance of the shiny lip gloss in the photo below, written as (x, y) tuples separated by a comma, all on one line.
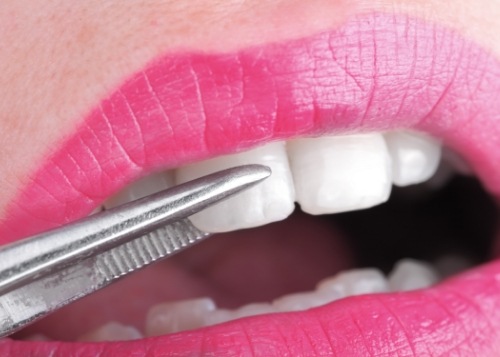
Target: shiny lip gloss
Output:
[(377, 72)]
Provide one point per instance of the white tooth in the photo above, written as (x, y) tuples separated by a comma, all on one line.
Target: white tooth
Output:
[(223, 315), (270, 201), (302, 301), (355, 282), (112, 331), (178, 316), (219, 316), (141, 188), (253, 309), (415, 157), (410, 274), (341, 173)]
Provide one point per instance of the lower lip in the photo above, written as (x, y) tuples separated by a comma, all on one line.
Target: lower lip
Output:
[(460, 317), (377, 72)]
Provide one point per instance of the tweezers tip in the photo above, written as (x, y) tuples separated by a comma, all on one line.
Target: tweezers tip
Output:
[(258, 172)]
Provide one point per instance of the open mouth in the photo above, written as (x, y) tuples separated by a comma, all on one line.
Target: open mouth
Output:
[(376, 74)]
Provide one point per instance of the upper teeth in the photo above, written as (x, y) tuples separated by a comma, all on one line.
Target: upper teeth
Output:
[(340, 173), (270, 201), (324, 175), (415, 157)]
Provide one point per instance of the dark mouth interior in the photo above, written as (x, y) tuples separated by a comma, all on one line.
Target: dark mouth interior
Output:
[(425, 224), (290, 256)]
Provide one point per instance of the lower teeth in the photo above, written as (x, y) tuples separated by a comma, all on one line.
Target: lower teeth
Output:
[(112, 331), (176, 316)]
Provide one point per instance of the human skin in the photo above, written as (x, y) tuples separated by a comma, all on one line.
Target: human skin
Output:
[(58, 60)]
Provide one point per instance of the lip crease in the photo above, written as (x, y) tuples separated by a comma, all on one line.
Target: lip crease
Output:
[(376, 72)]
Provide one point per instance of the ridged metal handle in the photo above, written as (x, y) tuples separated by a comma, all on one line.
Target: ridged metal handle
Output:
[(143, 251), (26, 304)]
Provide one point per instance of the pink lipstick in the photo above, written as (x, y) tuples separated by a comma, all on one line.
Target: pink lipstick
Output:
[(377, 72)]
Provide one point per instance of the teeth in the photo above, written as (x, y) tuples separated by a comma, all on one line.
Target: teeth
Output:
[(304, 301), (349, 283), (355, 282), (409, 274), (270, 201), (112, 331), (253, 310), (223, 315), (415, 157), (219, 316), (178, 316), (341, 173), (141, 188), (324, 175)]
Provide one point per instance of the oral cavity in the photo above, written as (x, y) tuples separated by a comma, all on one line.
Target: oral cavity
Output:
[(324, 175), (177, 316)]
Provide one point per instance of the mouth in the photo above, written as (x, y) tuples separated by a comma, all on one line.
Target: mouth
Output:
[(327, 112)]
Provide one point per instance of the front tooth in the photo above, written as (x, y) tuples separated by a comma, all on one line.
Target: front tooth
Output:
[(178, 316), (270, 201), (112, 331), (142, 188), (410, 274), (415, 157), (340, 173)]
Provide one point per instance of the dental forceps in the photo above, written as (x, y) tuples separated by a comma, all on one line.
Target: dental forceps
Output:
[(43, 273)]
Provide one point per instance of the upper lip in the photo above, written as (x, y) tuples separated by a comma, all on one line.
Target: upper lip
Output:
[(363, 77)]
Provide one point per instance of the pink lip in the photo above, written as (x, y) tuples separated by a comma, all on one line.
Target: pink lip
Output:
[(377, 72), (458, 318)]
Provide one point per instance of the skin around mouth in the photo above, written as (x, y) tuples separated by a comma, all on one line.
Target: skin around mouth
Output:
[(376, 72), (373, 74)]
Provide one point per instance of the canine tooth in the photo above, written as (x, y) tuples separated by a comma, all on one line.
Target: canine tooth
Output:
[(112, 331), (270, 201), (178, 316), (141, 188), (415, 157), (355, 282), (340, 173), (410, 274)]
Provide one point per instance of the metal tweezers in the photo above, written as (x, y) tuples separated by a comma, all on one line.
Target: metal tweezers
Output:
[(43, 273)]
